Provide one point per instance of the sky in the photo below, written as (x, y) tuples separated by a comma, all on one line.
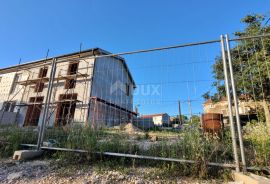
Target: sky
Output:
[(29, 28)]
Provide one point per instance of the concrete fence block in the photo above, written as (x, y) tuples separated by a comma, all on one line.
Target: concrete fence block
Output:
[(27, 154)]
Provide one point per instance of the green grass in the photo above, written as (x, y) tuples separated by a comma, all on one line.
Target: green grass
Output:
[(189, 144), (11, 137)]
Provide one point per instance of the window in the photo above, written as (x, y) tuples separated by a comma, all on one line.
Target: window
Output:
[(127, 89), (36, 99), (5, 106), (43, 72), (15, 82), (9, 106), (70, 83), (39, 87), (72, 96), (211, 106), (72, 68)]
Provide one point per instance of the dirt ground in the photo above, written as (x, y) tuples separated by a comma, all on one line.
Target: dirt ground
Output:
[(49, 171)]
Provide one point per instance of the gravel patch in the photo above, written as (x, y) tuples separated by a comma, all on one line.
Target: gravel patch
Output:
[(48, 172)]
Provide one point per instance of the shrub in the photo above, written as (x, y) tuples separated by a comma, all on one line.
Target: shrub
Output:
[(11, 137), (257, 139)]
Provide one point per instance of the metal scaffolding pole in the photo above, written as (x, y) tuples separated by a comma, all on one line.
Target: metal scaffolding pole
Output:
[(229, 103), (242, 151), (47, 104)]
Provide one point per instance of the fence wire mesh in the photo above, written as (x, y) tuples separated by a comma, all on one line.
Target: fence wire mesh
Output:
[(163, 104), (251, 63)]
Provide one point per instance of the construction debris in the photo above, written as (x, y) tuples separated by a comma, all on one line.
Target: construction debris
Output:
[(131, 129)]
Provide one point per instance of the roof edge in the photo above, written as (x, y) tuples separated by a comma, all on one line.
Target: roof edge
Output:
[(92, 51)]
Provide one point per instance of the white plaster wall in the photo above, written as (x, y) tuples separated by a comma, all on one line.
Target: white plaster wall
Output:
[(157, 120), (5, 89), (82, 88), (161, 120)]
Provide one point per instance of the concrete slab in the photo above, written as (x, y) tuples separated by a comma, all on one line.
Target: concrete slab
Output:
[(26, 154), (263, 180), (250, 178)]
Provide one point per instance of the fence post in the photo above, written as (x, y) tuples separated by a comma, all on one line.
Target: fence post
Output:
[(47, 104), (229, 103), (238, 123)]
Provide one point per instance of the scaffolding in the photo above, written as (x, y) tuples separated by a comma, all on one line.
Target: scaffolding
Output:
[(58, 92), (29, 89)]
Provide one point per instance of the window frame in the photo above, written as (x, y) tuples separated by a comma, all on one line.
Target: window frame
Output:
[(8, 106), (73, 68), (17, 78), (43, 72), (127, 89)]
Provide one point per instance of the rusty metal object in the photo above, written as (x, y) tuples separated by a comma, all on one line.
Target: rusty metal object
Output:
[(212, 122)]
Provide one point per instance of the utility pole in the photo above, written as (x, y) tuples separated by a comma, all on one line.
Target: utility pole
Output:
[(180, 114), (190, 109)]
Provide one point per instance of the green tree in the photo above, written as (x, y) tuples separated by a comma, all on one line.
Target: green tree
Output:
[(195, 119), (176, 120), (251, 63)]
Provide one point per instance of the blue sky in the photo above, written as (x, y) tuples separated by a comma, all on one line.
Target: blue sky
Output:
[(28, 28)]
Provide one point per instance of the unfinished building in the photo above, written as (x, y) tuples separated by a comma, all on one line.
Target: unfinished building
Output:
[(246, 106), (88, 87)]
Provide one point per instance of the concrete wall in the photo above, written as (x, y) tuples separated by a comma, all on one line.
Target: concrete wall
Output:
[(221, 107), (157, 120), (7, 118), (6, 83), (161, 120)]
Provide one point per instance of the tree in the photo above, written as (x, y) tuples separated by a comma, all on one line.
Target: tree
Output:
[(251, 64), (176, 120), (194, 119)]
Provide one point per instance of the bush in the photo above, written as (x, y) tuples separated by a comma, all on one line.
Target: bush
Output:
[(257, 140), (11, 137), (188, 144)]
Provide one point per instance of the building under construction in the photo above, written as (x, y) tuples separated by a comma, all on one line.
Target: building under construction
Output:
[(91, 87)]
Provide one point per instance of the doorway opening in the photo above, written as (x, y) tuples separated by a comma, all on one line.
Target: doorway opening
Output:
[(65, 109), (33, 111)]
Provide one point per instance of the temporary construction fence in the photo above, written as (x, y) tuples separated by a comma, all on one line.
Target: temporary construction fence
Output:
[(149, 103)]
